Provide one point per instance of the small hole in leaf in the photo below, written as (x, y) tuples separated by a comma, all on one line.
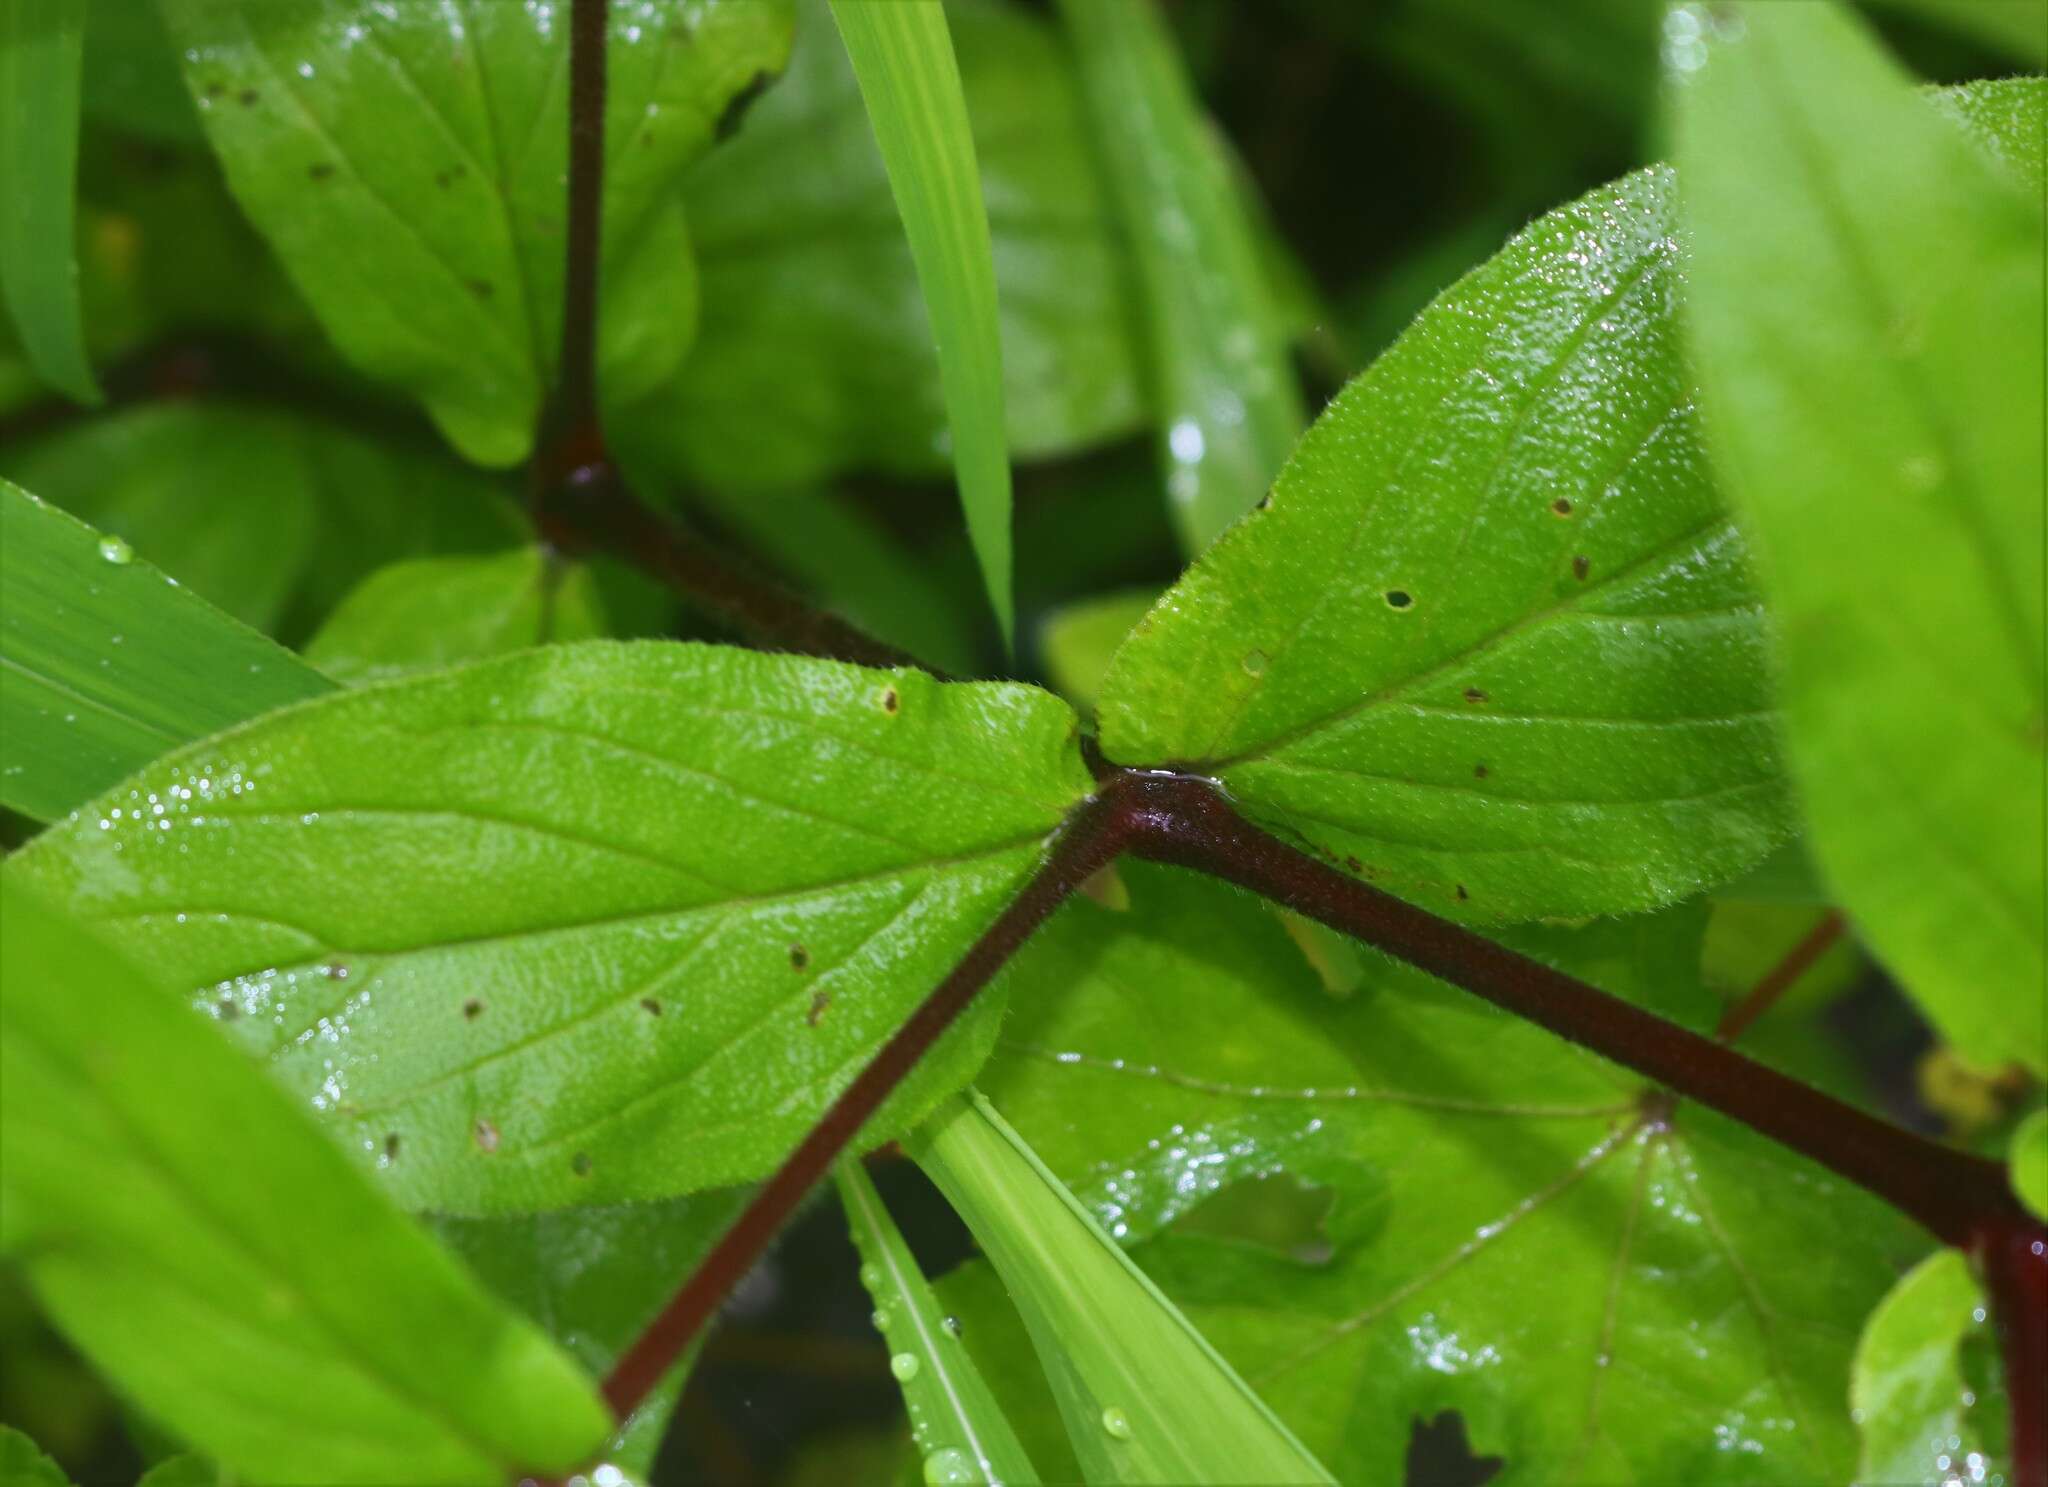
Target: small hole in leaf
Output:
[(1399, 599), (1473, 694), (391, 1148), (1562, 506), (799, 957), (819, 1002), (1462, 894), (472, 1008), (650, 1006), (486, 1136), (580, 1164), (1266, 501), (1479, 771), (890, 701), (1581, 566)]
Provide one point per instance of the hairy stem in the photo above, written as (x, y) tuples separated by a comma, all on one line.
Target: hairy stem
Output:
[(1781, 977), (1089, 841)]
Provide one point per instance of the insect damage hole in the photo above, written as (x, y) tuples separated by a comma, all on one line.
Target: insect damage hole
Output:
[(891, 702), (1562, 506), (1474, 695), (485, 1135), (650, 1006), (820, 1000), (1399, 598), (1581, 566), (799, 957), (472, 1008)]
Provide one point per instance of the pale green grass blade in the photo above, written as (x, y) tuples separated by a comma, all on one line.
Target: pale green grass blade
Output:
[(1229, 406), (902, 54), (1144, 1396), (961, 1430), (105, 663), (41, 48)]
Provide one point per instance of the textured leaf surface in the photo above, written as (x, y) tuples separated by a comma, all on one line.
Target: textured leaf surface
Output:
[(958, 1426), (592, 1278), (588, 923), (106, 664), (1144, 1396), (407, 163), (903, 60), (815, 354), (434, 612), (41, 46), (1867, 304), (1507, 1227), (225, 1265), (271, 515), (1492, 638), (1924, 1385), (1228, 406)]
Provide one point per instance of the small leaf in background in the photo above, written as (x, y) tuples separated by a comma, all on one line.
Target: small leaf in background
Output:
[(797, 375), (437, 265), (959, 1427), (1866, 302), (1384, 1205), (2030, 1162), (1925, 1388), (41, 44), (902, 56), (186, 1470), (23, 1464), (223, 1262), (105, 664), (1078, 640), (1492, 640), (1228, 406), (585, 924), (1144, 1396), (428, 613), (592, 1278)]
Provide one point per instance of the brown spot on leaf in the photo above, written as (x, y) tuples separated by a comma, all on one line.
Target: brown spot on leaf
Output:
[(320, 171), (1581, 566), (799, 957), (736, 107), (226, 1009), (1479, 771), (820, 1000), (650, 1006), (1562, 506), (1462, 894), (391, 1147), (1474, 694), (486, 1136), (1354, 864), (890, 701), (473, 1008)]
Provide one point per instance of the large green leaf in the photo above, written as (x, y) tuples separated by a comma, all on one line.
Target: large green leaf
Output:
[(407, 163), (954, 1417), (903, 60), (427, 613), (226, 1265), (587, 923), (592, 1278), (273, 516), (1867, 304), (1498, 1222), (1923, 1388), (1491, 638), (41, 43), (1228, 406), (1144, 1396), (815, 354), (105, 663)]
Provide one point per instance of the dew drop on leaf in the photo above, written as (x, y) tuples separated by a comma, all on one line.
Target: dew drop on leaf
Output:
[(1116, 1423), (905, 1366), (949, 1465), (115, 551)]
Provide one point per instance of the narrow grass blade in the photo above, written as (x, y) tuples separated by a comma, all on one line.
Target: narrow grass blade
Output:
[(106, 664), (41, 52), (1229, 406), (1144, 1396), (902, 54), (960, 1428)]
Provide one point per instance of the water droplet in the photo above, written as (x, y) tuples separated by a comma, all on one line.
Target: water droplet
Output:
[(115, 551), (905, 1367), (1116, 1423), (949, 1466), (879, 1317), (1186, 441), (871, 1277)]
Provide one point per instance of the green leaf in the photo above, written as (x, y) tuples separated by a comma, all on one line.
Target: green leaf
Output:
[(1144, 1396), (902, 57), (680, 894), (795, 375), (2005, 118), (1079, 639), (273, 516), (959, 1427), (1866, 304), (2013, 27), (434, 612), (593, 1278), (222, 1262), (1604, 1289), (187, 1470), (2030, 1162), (41, 43), (1491, 640), (1229, 408), (407, 164), (23, 1464), (1921, 1387), (106, 664)]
